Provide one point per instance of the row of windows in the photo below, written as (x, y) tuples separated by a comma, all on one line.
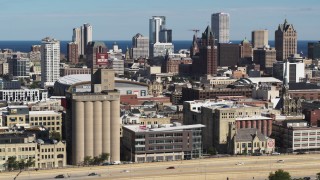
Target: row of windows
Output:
[(20, 149), (45, 118), (244, 145), (45, 123)]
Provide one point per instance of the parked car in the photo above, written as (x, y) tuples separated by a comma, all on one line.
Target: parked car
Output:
[(275, 153), (116, 162), (93, 174), (107, 164), (280, 161), (171, 167), (257, 154), (125, 171), (240, 163), (60, 176)]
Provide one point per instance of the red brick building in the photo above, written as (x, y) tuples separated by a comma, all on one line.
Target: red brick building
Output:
[(73, 54), (172, 65)]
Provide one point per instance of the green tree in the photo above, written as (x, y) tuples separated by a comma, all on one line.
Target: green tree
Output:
[(280, 175), (12, 163), (104, 157), (55, 135), (21, 164), (30, 163), (87, 160), (212, 151)]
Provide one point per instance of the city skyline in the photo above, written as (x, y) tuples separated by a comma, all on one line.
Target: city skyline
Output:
[(35, 19)]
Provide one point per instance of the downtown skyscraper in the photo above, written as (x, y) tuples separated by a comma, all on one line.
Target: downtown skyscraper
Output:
[(50, 59), (220, 25), (160, 38), (285, 41), (82, 36)]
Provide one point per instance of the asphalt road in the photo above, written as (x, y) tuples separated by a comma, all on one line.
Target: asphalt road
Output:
[(234, 168)]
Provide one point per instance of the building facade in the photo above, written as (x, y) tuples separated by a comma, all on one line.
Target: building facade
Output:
[(19, 67), (220, 25), (228, 54), (160, 38), (285, 41), (23, 95), (93, 125), (260, 38), (265, 57), (73, 53), (95, 48), (162, 142), (205, 63), (140, 46), (24, 147), (50, 59)]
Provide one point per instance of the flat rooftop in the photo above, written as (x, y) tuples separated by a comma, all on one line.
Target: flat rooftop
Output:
[(142, 128)]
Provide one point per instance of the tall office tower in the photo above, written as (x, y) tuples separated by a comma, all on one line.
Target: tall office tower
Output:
[(82, 36), (165, 36), (19, 67), (228, 54), (220, 26), (314, 50), (78, 38), (93, 120), (285, 41), (259, 38), (97, 54), (50, 59), (140, 46), (160, 38), (205, 63), (87, 35), (73, 52)]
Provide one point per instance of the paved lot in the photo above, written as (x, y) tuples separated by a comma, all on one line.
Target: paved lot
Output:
[(235, 168)]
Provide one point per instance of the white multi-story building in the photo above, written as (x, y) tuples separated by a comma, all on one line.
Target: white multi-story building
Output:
[(50, 59), (220, 26), (295, 136), (295, 70), (23, 95), (118, 66)]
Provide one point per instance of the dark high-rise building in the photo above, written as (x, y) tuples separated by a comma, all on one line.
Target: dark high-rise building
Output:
[(165, 36), (97, 54), (314, 50), (285, 41), (228, 54), (206, 61), (73, 53), (265, 57), (19, 67)]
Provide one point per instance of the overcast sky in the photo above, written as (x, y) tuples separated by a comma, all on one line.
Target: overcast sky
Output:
[(121, 20)]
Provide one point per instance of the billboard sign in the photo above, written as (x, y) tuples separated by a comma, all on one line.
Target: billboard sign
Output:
[(102, 59)]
